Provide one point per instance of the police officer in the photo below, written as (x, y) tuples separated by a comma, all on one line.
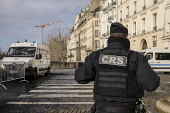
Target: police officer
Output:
[(121, 75)]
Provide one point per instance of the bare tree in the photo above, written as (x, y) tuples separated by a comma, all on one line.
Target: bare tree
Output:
[(57, 43)]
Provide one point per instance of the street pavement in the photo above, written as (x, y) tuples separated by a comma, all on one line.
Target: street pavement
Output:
[(57, 94), (60, 93)]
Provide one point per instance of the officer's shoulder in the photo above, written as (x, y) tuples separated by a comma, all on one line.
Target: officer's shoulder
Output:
[(96, 53), (136, 55)]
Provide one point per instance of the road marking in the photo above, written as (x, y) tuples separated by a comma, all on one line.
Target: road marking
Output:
[(61, 91), (58, 82), (52, 95), (65, 87), (67, 84), (50, 103), (61, 79)]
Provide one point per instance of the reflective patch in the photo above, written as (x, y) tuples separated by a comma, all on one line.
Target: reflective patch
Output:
[(112, 79), (113, 73), (112, 85), (113, 60)]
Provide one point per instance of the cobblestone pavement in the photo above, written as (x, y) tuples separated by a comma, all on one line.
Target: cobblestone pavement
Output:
[(163, 91), (62, 94)]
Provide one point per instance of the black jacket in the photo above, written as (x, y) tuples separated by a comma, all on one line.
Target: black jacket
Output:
[(146, 77)]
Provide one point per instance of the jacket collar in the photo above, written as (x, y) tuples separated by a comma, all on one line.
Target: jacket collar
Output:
[(115, 45)]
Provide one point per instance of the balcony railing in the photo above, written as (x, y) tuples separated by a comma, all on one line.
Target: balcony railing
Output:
[(127, 16), (88, 49), (143, 31), (134, 34), (154, 28), (109, 6), (144, 7), (110, 18), (155, 1)]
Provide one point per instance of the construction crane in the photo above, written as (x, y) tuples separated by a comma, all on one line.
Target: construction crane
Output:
[(43, 25)]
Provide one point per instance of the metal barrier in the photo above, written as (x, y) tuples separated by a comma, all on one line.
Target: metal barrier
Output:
[(12, 71)]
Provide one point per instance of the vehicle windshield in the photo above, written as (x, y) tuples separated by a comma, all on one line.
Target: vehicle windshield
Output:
[(21, 52)]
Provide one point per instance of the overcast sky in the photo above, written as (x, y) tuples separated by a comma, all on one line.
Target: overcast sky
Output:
[(18, 18)]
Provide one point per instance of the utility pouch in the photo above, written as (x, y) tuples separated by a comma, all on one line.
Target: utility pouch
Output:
[(140, 107), (93, 109)]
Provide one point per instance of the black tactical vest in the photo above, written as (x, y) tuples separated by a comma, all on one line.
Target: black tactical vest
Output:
[(114, 78)]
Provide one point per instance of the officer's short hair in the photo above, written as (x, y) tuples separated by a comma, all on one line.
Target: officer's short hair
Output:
[(119, 35)]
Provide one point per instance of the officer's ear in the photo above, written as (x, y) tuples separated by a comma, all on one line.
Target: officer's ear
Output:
[(127, 37)]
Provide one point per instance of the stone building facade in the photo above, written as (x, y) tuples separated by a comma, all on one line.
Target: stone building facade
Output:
[(145, 20), (84, 37), (108, 15)]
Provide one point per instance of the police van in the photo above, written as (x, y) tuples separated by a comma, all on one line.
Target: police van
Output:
[(36, 58), (159, 59)]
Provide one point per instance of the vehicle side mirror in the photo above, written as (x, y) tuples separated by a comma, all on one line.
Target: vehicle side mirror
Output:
[(39, 56)]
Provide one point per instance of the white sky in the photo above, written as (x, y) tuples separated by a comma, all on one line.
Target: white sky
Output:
[(18, 18)]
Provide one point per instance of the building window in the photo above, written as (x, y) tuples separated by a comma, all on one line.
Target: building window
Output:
[(97, 15), (107, 28), (155, 1), (96, 23), (155, 22), (96, 33), (143, 5), (121, 15), (168, 27), (127, 26), (134, 28), (135, 7), (154, 41), (134, 45), (97, 44), (79, 15), (113, 13), (143, 26), (127, 12)]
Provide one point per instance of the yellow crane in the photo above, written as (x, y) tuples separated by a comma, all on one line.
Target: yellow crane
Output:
[(43, 25)]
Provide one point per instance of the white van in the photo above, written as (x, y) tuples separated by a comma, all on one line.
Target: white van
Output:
[(159, 59), (36, 58)]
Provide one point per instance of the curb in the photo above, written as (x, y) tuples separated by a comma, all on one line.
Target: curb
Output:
[(163, 105)]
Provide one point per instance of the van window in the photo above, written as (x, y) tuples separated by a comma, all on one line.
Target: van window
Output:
[(21, 52), (149, 56), (162, 56)]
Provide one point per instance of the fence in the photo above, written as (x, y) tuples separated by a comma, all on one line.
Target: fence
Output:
[(11, 71), (65, 65)]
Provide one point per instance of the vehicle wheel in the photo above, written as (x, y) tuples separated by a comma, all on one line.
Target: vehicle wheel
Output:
[(48, 72), (34, 75)]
